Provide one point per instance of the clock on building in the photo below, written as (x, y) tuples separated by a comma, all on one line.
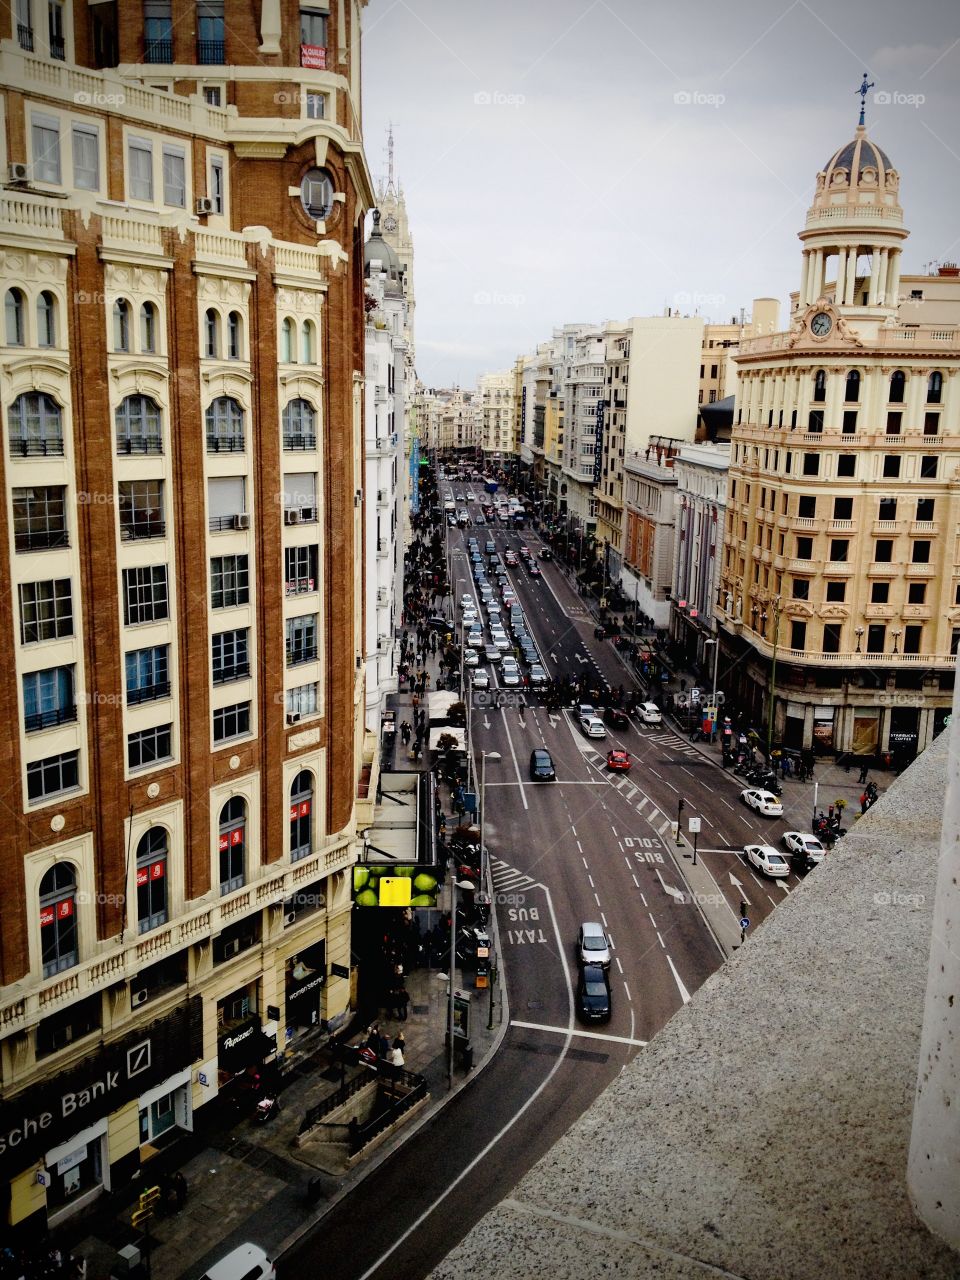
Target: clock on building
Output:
[(389, 223), (821, 324)]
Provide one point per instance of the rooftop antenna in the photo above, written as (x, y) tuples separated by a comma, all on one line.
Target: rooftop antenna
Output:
[(863, 91), (391, 189)]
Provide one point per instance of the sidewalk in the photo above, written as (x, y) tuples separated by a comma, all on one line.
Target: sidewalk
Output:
[(248, 1181)]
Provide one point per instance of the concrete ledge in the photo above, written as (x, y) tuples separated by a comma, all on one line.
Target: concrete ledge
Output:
[(764, 1132)]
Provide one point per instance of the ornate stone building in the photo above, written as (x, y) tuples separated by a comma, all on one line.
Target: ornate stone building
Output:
[(839, 600)]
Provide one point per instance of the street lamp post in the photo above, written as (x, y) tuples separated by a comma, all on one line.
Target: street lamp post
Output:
[(484, 862), (773, 675), (713, 699), (455, 884)]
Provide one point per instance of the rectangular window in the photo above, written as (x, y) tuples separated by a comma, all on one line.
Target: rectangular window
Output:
[(300, 497), (883, 551), (39, 518), (815, 421), (300, 569), (148, 674), (231, 661), (811, 464), (157, 31), (149, 746), (912, 638), (213, 95), (231, 722), (45, 139), (891, 465), (887, 509), (229, 581), (806, 506), (301, 639), (24, 26), (313, 28), (836, 592), (804, 548), (48, 698), (302, 700), (51, 776), (876, 637), (846, 465), (86, 157), (842, 508), (925, 508), (210, 32), (227, 500), (798, 635), (931, 424), (140, 169), (315, 105), (217, 187), (140, 507), (880, 593), (928, 466), (921, 552), (46, 610), (894, 423), (145, 596), (839, 549), (801, 588), (916, 592), (174, 177), (849, 428), (831, 637)]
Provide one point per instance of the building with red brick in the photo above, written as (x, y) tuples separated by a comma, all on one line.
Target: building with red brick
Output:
[(184, 765)]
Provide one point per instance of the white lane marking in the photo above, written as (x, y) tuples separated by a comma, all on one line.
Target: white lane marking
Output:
[(744, 818), (619, 965), (523, 792), (604, 919), (635, 880), (627, 990), (662, 943), (580, 846), (661, 830), (643, 899), (652, 921), (684, 993), (564, 1031), (573, 830), (772, 901), (684, 769), (614, 830), (627, 860), (583, 860), (590, 878), (726, 802), (569, 1032), (670, 785), (598, 900)]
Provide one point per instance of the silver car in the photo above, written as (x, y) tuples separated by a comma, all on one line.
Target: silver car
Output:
[(592, 945)]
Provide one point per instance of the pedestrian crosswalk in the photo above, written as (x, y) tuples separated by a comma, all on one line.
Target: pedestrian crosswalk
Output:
[(507, 879), (673, 742)]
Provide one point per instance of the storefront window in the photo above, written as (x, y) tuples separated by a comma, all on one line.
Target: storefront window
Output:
[(74, 1173)]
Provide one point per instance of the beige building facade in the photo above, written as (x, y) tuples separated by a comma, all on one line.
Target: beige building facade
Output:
[(840, 586)]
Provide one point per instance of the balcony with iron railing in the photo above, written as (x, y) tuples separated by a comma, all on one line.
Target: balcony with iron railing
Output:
[(34, 447), (148, 693), (58, 48), (142, 530), (298, 654), (158, 51), (210, 53), (49, 719), (225, 673), (25, 37), (225, 443), (41, 539), (299, 441), (140, 444)]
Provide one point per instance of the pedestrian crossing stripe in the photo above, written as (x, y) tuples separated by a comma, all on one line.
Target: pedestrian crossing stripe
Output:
[(507, 877)]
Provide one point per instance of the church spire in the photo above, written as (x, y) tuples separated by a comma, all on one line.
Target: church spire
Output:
[(391, 187), (863, 91)]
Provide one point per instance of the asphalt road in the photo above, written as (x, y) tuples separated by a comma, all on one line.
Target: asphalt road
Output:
[(590, 846)]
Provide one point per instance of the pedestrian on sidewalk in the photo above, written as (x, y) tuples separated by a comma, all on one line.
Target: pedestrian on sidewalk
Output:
[(864, 770), (404, 1000)]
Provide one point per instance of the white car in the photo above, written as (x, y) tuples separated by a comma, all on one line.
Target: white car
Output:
[(800, 842), (246, 1262), (537, 674), (764, 802), (649, 713), (471, 658), (500, 639), (511, 676), (766, 859), (470, 615), (592, 726), (475, 640), (466, 602), (480, 679), (471, 497)]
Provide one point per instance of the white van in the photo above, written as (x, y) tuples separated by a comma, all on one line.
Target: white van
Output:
[(246, 1262), (649, 713)]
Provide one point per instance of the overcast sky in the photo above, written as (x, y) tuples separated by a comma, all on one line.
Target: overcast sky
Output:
[(584, 160)]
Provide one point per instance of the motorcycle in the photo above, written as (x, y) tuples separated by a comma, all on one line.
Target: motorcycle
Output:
[(267, 1108)]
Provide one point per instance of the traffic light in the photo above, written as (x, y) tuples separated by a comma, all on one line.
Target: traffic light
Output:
[(681, 805)]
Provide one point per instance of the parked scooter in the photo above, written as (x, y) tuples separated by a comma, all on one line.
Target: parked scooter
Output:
[(267, 1108)]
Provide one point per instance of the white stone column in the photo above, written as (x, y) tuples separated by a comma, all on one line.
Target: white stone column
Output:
[(804, 278), (817, 288), (873, 288), (933, 1167), (841, 285), (893, 288), (850, 290), (884, 266)]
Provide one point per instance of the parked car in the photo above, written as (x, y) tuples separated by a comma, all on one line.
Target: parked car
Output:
[(764, 802), (619, 760), (436, 623), (766, 859), (649, 713), (593, 994), (592, 945), (807, 847), (541, 766), (245, 1262)]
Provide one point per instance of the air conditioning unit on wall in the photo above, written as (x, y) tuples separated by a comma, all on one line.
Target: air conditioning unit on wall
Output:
[(231, 948), (138, 996), (18, 172), (205, 205)]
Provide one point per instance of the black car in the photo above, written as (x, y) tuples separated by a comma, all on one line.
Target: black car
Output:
[(439, 624), (593, 994), (618, 719), (541, 766), (546, 553)]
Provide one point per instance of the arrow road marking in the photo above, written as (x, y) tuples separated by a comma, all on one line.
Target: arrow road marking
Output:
[(675, 893), (736, 883), (684, 993)]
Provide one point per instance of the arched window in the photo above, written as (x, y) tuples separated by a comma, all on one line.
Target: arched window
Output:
[(233, 844), (299, 425), (287, 352), (138, 426), (46, 319), (148, 328), (152, 879), (121, 325), (897, 384), (301, 816), (58, 919), (308, 346), (234, 336), (934, 388), (13, 314), (211, 334), (224, 426), (853, 387), (36, 429), (819, 387)]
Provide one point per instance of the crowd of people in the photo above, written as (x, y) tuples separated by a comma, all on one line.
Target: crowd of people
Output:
[(40, 1262)]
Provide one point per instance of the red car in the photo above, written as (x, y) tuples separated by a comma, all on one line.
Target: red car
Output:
[(619, 760)]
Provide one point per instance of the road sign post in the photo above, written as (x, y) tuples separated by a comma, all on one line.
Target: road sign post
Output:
[(693, 826), (680, 807), (744, 926)]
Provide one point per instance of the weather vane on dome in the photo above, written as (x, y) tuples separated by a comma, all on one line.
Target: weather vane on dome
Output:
[(863, 91)]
